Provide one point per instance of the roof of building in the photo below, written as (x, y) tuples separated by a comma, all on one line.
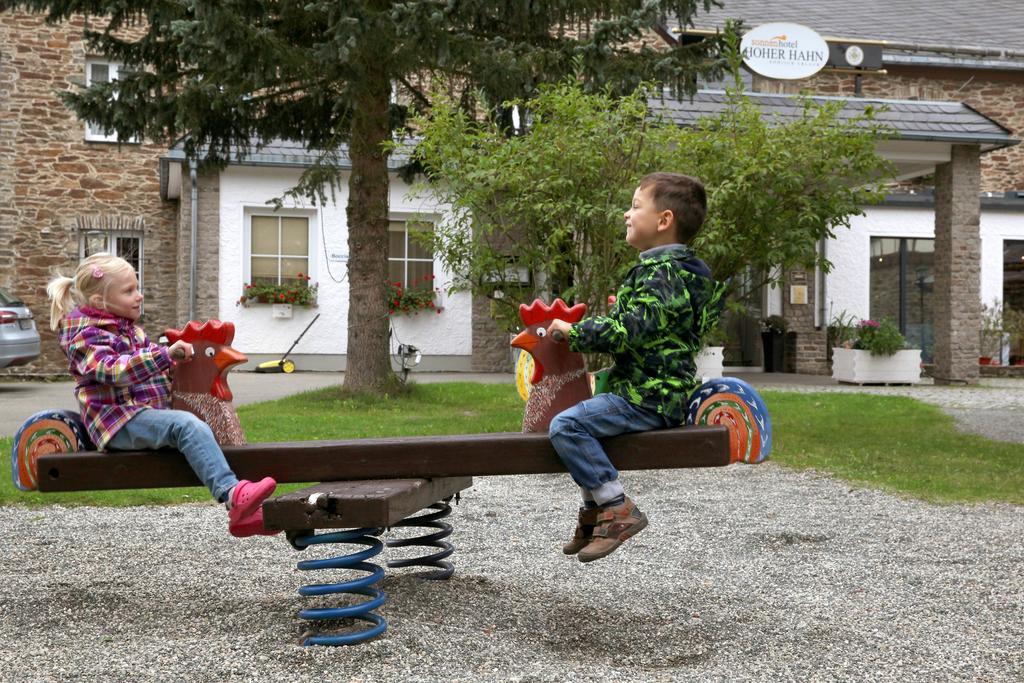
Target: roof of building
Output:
[(952, 122), (1012, 201), (990, 27), (279, 153), (291, 153)]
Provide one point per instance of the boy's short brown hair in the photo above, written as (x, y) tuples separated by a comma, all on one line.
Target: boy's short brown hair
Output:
[(684, 196)]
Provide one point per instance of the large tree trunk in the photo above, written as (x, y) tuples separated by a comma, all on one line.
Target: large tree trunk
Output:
[(369, 364)]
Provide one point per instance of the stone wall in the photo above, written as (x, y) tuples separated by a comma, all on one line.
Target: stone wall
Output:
[(207, 246), (957, 268), (998, 95), (806, 344), (51, 178), (491, 352)]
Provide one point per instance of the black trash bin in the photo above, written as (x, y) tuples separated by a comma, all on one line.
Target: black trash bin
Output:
[(774, 345)]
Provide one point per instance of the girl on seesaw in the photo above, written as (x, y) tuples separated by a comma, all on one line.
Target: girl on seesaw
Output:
[(123, 388)]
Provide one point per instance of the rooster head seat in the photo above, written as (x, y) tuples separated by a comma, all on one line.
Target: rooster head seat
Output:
[(200, 385), (559, 374)]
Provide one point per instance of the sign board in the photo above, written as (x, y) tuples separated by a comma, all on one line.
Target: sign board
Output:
[(798, 294), (859, 56), (784, 51)]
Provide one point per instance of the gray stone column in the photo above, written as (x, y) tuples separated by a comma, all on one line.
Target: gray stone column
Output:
[(958, 267), (491, 352), (806, 351), (207, 247)]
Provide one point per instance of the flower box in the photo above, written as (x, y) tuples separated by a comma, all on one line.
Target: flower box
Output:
[(297, 291), (709, 363), (413, 300), (857, 366)]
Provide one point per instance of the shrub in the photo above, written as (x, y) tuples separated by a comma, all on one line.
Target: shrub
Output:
[(842, 330), (880, 338), (775, 324)]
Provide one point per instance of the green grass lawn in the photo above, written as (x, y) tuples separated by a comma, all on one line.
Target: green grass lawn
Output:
[(894, 443)]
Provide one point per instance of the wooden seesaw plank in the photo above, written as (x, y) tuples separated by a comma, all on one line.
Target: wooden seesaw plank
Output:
[(387, 458), (363, 503)]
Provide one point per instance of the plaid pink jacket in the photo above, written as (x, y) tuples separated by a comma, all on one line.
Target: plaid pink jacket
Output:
[(117, 371)]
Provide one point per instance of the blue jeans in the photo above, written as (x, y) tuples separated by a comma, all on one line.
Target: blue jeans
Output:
[(575, 432), (180, 429)]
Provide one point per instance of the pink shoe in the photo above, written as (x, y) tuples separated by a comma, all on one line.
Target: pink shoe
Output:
[(246, 499), (250, 526)]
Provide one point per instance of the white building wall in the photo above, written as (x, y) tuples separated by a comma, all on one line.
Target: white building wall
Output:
[(996, 226), (445, 339), (848, 288)]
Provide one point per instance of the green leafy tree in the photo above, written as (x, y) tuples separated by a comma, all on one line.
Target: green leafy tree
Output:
[(540, 214), (227, 74), (550, 203), (779, 187)]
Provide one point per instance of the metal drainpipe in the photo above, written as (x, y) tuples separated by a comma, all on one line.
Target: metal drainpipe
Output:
[(192, 241), (823, 294)]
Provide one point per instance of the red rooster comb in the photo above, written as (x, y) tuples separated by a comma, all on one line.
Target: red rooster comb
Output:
[(538, 311), (212, 330)]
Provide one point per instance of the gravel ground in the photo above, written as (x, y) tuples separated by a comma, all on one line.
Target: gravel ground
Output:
[(746, 573)]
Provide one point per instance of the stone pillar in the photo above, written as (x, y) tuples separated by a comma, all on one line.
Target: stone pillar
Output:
[(805, 343), (491, 352), (207, 246), (958, 267)]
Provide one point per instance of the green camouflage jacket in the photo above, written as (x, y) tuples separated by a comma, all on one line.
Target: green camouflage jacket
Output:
[(666, 305)]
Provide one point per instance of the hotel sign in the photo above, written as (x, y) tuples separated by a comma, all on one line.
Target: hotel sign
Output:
[(785, 51)]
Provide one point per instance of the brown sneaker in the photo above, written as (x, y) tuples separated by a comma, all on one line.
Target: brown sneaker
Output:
[(584, 531), (614, 525)]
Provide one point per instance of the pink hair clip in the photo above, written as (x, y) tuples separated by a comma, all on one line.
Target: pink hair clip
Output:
[(97, 272)]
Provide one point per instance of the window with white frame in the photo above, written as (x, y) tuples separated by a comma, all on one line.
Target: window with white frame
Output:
[(410, 260), (98, 70), (127, 245), (279, 248)]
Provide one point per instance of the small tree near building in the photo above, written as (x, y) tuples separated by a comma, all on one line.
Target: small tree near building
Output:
[(540, 214)]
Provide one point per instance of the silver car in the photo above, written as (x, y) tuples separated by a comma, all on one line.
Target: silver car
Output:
[(19, 338)]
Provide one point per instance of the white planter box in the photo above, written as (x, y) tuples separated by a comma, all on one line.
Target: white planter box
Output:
[(860, 367), (709, 363)]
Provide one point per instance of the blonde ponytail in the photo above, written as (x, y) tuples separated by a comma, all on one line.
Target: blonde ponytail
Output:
[(61, 299), (90, 278)]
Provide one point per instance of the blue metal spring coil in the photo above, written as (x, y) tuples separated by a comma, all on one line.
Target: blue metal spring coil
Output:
[(360, 586), (435, 540)]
